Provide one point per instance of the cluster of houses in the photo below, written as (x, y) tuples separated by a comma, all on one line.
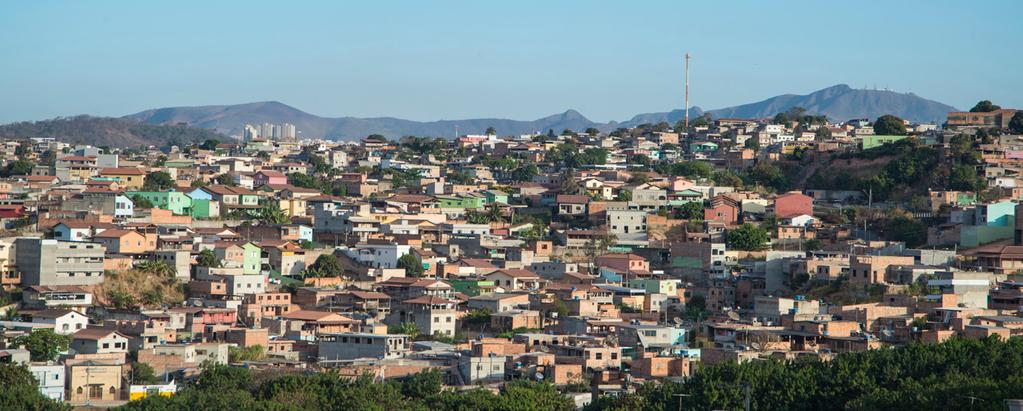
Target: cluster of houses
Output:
[(586, 277)]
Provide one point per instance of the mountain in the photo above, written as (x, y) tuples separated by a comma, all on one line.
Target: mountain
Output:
[(230, 119), (106, 131), (840, 103), (843, 103), (670, 117)]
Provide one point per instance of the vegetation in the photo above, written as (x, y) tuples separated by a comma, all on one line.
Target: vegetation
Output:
[(207, 258), (326, 265), (412, 265), (17, 168), (984, 106), (149, 284), (157, 181), (225, 387), (271, 214), (106, 131), (141, 202), (748, 237), (143, 374), (21, 390), (1016, 123), (42, 344), (914, 377), (250, 353), (889, 125)]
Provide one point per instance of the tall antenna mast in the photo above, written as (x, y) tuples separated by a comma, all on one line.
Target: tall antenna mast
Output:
[(687, 94)]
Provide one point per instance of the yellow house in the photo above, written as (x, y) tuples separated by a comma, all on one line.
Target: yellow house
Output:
[(94, 381), (128, 177)]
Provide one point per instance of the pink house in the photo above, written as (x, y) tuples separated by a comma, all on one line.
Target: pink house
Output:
[(793, 204), (263, 177)]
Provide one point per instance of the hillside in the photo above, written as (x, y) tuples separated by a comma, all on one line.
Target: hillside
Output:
[(842, 103), (106, 131), (230, 119)]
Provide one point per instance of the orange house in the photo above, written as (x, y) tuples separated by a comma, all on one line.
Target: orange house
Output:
[(125, 241)]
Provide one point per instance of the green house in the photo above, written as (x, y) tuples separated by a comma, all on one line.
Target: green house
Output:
[(471, 288), (496, 196), (177, 202), (463, 201), (252, 262), (869, 142)]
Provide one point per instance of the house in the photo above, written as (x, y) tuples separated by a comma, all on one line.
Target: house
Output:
[(351, 346), (175, 201), (64, 321), (571, 205), (723, 210), (93, 381), (99, 341), (269, 177), (125, 241), (515, 279), (432, 315), (499, 302), (55, 263), (127, 177), (51, 378), (793, 204)]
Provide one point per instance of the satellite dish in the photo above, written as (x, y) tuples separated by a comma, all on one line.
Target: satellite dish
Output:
[(677, 321), (538, 376), (734, 315), (756, 346)]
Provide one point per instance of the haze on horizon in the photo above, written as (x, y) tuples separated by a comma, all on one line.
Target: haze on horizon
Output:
[(519, 60)]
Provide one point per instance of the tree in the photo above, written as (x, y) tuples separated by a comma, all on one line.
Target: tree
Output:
[(490, 131), (157, 181), (1016, 123), (241, 354), (408, 328), (692, 210), (984, 106), (424, 384), (141, 202), (17, 168), (823, 133), (412, 265), (210, 144), (143, 374), (21, 390), (889, 125), (592, 131), (623, 195), (207, 258), (326, 265), (907, 229), (42, 344), (748, 237), (225, 179), (271, 214)]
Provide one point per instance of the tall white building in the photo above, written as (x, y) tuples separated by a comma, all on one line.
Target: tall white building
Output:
[(288, 131), (250, 132)]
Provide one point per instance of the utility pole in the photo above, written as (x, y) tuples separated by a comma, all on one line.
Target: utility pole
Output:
[(686, 113), (745, 392)]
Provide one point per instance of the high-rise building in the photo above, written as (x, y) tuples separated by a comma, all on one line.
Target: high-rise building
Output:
[(52, 262), (250, 133), (288, 131), (266, 130)]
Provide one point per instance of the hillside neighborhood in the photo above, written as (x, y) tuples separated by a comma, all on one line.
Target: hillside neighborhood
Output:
[(594, 262)]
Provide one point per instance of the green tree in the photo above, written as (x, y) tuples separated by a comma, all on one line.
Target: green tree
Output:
[(592, 131), (412, 265), (889, 125), (822, 133), (157, 181), (143, 374), (271, 214), (241, 354), (1016, 123), (21, 390), (692, 210), (326, 265), (17, 168), (907, 229), (42, 344), (207, 258), (748, 237), (491, 131), (423, 384), (210, 144), (984, 106), (141, 202), (407, 328)]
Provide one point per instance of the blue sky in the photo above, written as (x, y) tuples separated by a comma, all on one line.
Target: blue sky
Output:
[(428, 60)]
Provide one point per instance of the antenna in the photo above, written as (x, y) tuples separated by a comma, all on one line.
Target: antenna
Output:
[(686, 113)]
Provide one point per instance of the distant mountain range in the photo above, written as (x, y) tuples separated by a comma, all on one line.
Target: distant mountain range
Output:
[(839, 102)]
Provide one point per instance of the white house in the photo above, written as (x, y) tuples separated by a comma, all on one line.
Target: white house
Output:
[(378, 255), (64, 322)]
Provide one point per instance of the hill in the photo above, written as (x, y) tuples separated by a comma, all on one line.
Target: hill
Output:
[(230, 119), (839, 103), (106, 131), (842, 103)]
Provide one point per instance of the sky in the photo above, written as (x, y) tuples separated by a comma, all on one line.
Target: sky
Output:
[(522, 59)]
